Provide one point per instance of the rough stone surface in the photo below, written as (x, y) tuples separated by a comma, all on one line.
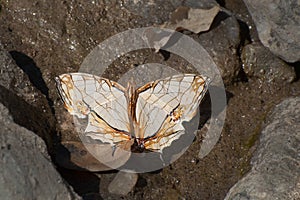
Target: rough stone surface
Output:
[(222, 44), (240, 11), (259, 62), (275, 173), (26, 171), (123, 183), (158, 11), (278, 26)]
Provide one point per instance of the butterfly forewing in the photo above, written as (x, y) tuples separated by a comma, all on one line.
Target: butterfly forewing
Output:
[(164, 104), (100, 99)]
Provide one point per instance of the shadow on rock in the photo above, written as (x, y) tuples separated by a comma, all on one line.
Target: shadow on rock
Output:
[(33, 72), (27, 115)]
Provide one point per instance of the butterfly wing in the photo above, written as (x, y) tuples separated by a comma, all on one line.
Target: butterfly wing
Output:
[(101, 100), (164, 104)]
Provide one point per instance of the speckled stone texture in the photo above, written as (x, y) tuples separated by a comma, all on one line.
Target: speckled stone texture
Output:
[(26, 171), (275, 173)]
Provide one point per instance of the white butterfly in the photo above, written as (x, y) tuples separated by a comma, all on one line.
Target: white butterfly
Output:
[(148, 118)]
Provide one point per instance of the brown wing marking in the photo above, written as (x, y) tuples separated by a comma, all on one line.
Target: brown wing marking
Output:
[(170, 130), (99, 129)]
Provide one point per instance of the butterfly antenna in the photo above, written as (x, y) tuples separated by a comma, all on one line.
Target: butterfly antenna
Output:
[(114, 148)]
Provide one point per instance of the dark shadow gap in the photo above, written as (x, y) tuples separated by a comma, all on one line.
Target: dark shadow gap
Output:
[(296, 66), (221, 16), (205, 106), (83, 182), (28, 116), (221, 3), (245, 38)]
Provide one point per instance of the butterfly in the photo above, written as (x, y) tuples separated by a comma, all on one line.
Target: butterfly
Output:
[(149, 117)]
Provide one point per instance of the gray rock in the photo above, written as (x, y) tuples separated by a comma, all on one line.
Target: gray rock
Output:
[(240, 11), (26, 171), (123, 183), (222, 43), (200, 4), (259, 62), (158, 11), (278, 26), (275, 173)]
